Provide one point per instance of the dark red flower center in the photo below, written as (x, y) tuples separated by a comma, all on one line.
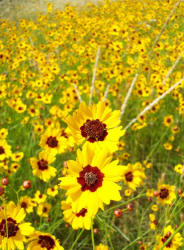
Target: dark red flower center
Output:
[(90, 178), (23, 204), (129, 176), (82, 212), (52, 142), (44, 209), (165, 238), (64, 134), (1, 150), (9, 227), (94, 130), (42, 164), (164, 192), (46, 241)]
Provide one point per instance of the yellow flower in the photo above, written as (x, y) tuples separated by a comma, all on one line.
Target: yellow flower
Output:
[(49, 7), (168, 120), (82, 219), (168, 146), (3, 133), (101, 247), (179, 168), (14, 167), (52, 191), (154, 207), (153, 220), (90, 180), (43, 209), (126, 155), (5, 150), (174, 243), (42, 241), (133, 175), (96, 124), (39, 198), (12, 222), (142, 247), (128, 192), (17, 156), (150, 192), (41, 167), (175, 129), (53, 140), (166, 194), (27, 203)]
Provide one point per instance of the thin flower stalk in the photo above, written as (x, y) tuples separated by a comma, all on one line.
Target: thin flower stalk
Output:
[(94, 75), (153, 103), (128, 96)]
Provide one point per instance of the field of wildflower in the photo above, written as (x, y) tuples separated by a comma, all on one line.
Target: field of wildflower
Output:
[(92, 127)]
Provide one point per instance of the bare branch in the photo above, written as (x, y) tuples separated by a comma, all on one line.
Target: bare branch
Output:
[(94, 75), (127, 96), (153, 103), (106, 92), (173, 67), (77, 91)]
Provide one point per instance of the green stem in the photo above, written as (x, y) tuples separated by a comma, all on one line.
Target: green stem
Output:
[(77, 238), (92, 235), (125, 202), (134, 241)]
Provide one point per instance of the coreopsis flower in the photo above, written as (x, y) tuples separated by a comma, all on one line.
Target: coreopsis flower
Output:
[(166, 194), (27, 203), (101, 247), (82, 219), (168, 120), (39, 197), (90, 180), (168, 146), (128, 192), (3, 133), (96, 124), (53, 140), (142, 247), (149, 192), (14, 167), (175, 129), (179, 168), (133, 175), (5, 150), (41, 167), (153, 221), (17, 156), (13, 230), (43, 209), (52, 191), (154, 208), (66, 133), (39, 240), (174, 243)]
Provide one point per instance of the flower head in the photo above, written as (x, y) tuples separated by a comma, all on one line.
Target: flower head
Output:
[(12, 227), (96, 124), (90, 180), (41, 167), (39, 240), (174, 243), (166, 194), (82, 219), (133, 175)]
